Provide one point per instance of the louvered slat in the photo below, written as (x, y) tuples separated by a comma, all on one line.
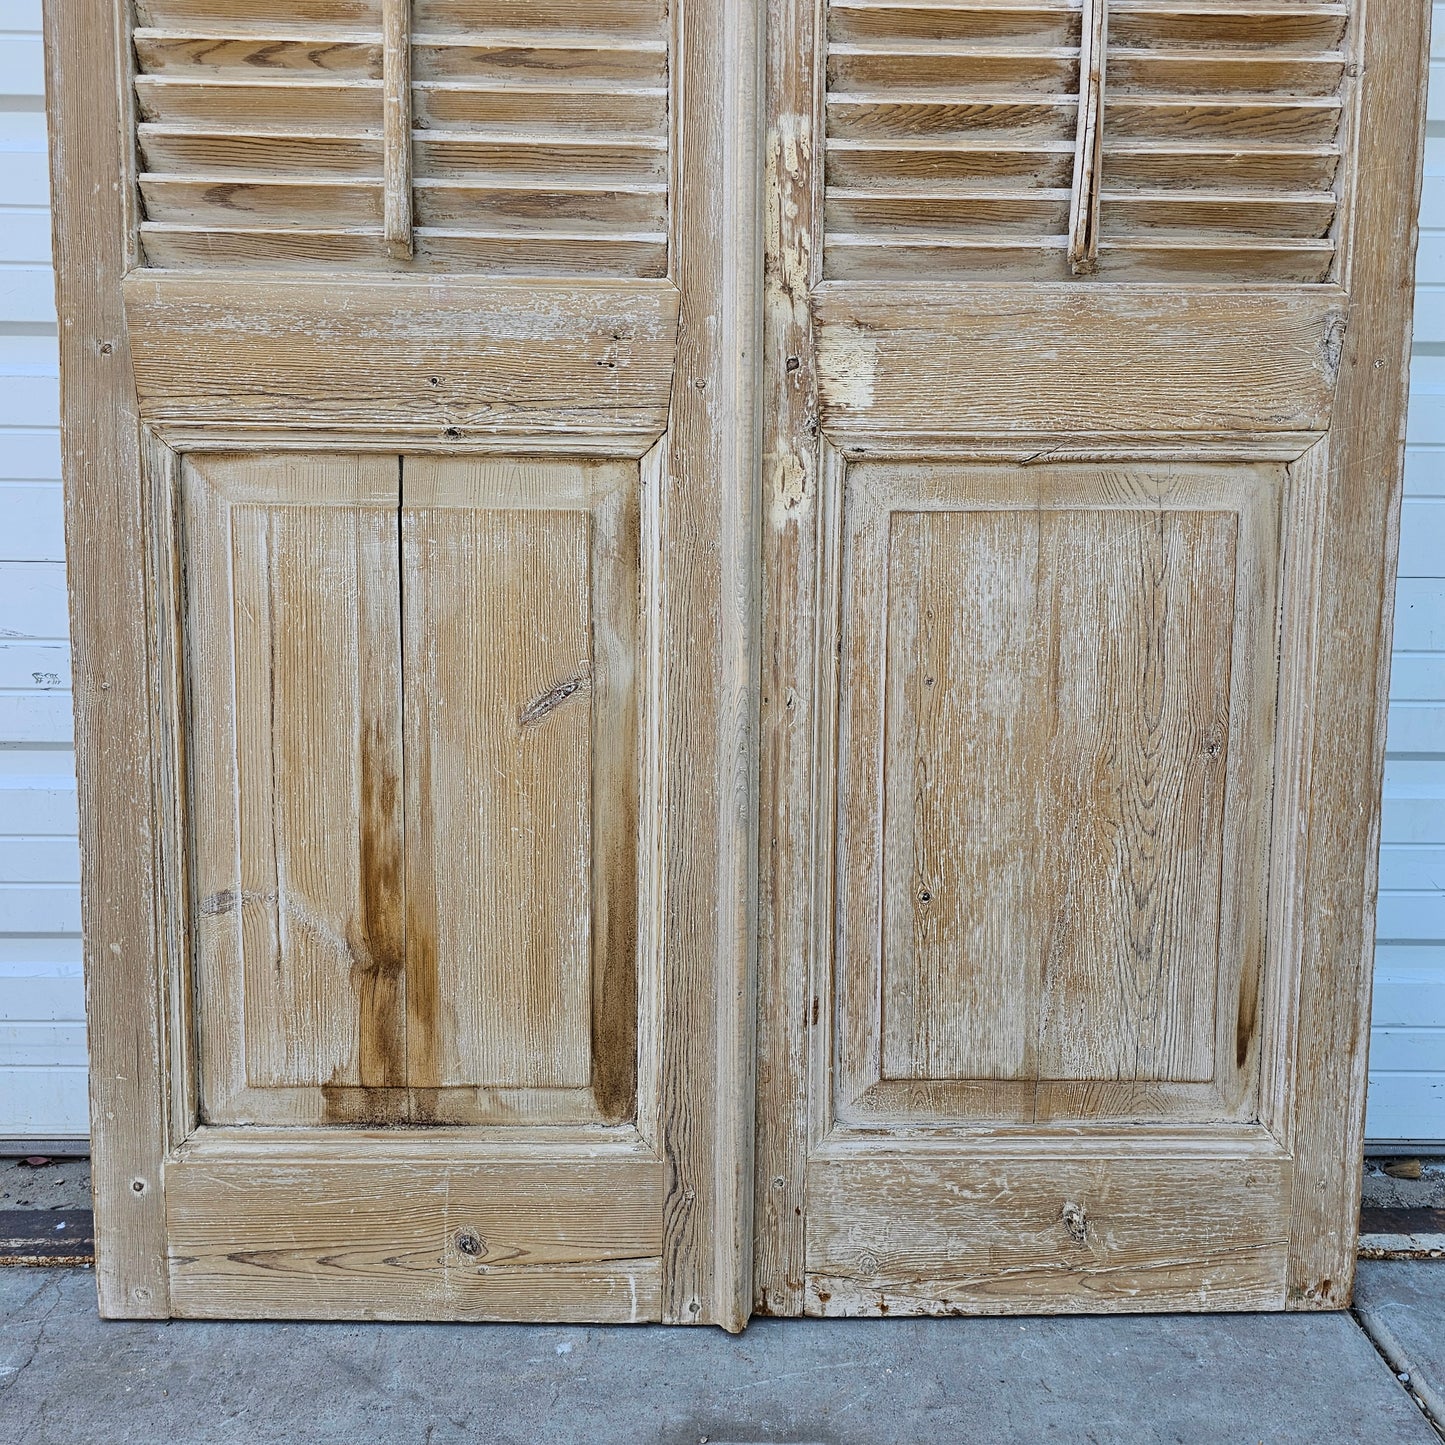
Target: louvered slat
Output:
[(1222, 142), (951, 129), (540, 140), (950, 132)]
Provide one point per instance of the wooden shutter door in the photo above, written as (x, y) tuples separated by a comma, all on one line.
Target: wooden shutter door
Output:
[(1085, 355), (410, 507)]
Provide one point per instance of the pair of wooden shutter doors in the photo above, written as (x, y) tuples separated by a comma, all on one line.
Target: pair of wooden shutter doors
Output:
[(820, 756)]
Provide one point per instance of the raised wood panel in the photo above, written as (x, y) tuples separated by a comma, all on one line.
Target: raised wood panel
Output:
[(902, 363), (248, 114), (1054, 744), (955, 135), (415, 762), (521, 651), (398, 361), (1057, 713), (294, 646), (571, 1238), (1057, 1230)]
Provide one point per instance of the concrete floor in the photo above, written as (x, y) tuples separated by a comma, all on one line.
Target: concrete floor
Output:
[(68, 1379)]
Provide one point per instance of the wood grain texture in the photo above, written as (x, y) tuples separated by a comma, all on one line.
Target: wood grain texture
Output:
[(707, 630), (990, 360), (294, 645), (396, 128), (1345, 698), (291, 88), (107, 547), (400, 362), (563, 1239), (522, 649), (1050, 1233), (969, 141), (788, 617), (1053, 757), (1057, 708)]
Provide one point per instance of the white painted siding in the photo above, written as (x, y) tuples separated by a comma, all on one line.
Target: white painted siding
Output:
[(1407, 1049), (42, 1065), (42, 1005)]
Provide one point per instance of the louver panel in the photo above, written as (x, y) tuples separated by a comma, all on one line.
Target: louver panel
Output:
[(952, 130), (539, 142), (950, 137), (1221, 141)]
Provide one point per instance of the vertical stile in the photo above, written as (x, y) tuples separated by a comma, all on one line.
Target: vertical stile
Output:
[(1084, 202), (396, 127)]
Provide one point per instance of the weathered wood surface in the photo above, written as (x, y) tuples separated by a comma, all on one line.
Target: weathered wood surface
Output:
[(405, 136), (1086, 360), (1053, 794), (1344, 702), (970, 142), (521, 642), (294, 668), (1228, 153), (347, 1238), (708, 639), (400, 361), (108, 557), (1046, 1234)]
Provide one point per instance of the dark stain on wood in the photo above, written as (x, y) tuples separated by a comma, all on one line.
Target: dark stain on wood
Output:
[(424, 1067), (377, 934)]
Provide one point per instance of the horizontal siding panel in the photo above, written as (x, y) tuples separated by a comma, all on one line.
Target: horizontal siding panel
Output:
[(43, 1102), (1409, 987), (22, 17), (39, 860), (29, 395), (42, 999), (1405, 1106), (36, 1044), (1417, 676), (1425, 424), (37, 805), (1417, 728), (1422, 538), (1420, 615), (1415, 868), (39, 908), (34, 666), (30, 455), (22, 64), (33, 600), (1412, 1050), (1410, 916), (24, 235), (34, 528), (1425, 471), (36, 717), (27, 293), (53, 955), (24, 174)]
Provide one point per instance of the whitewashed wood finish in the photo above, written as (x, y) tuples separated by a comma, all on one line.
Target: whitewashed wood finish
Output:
[(404, 133), (293, 647), (920, 357), (1053, 796), (401, 361), (507, 400), (522, 657), (962, 140)]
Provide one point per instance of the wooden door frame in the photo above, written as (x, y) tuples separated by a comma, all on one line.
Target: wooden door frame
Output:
[(1345, 557), (129, 753)]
